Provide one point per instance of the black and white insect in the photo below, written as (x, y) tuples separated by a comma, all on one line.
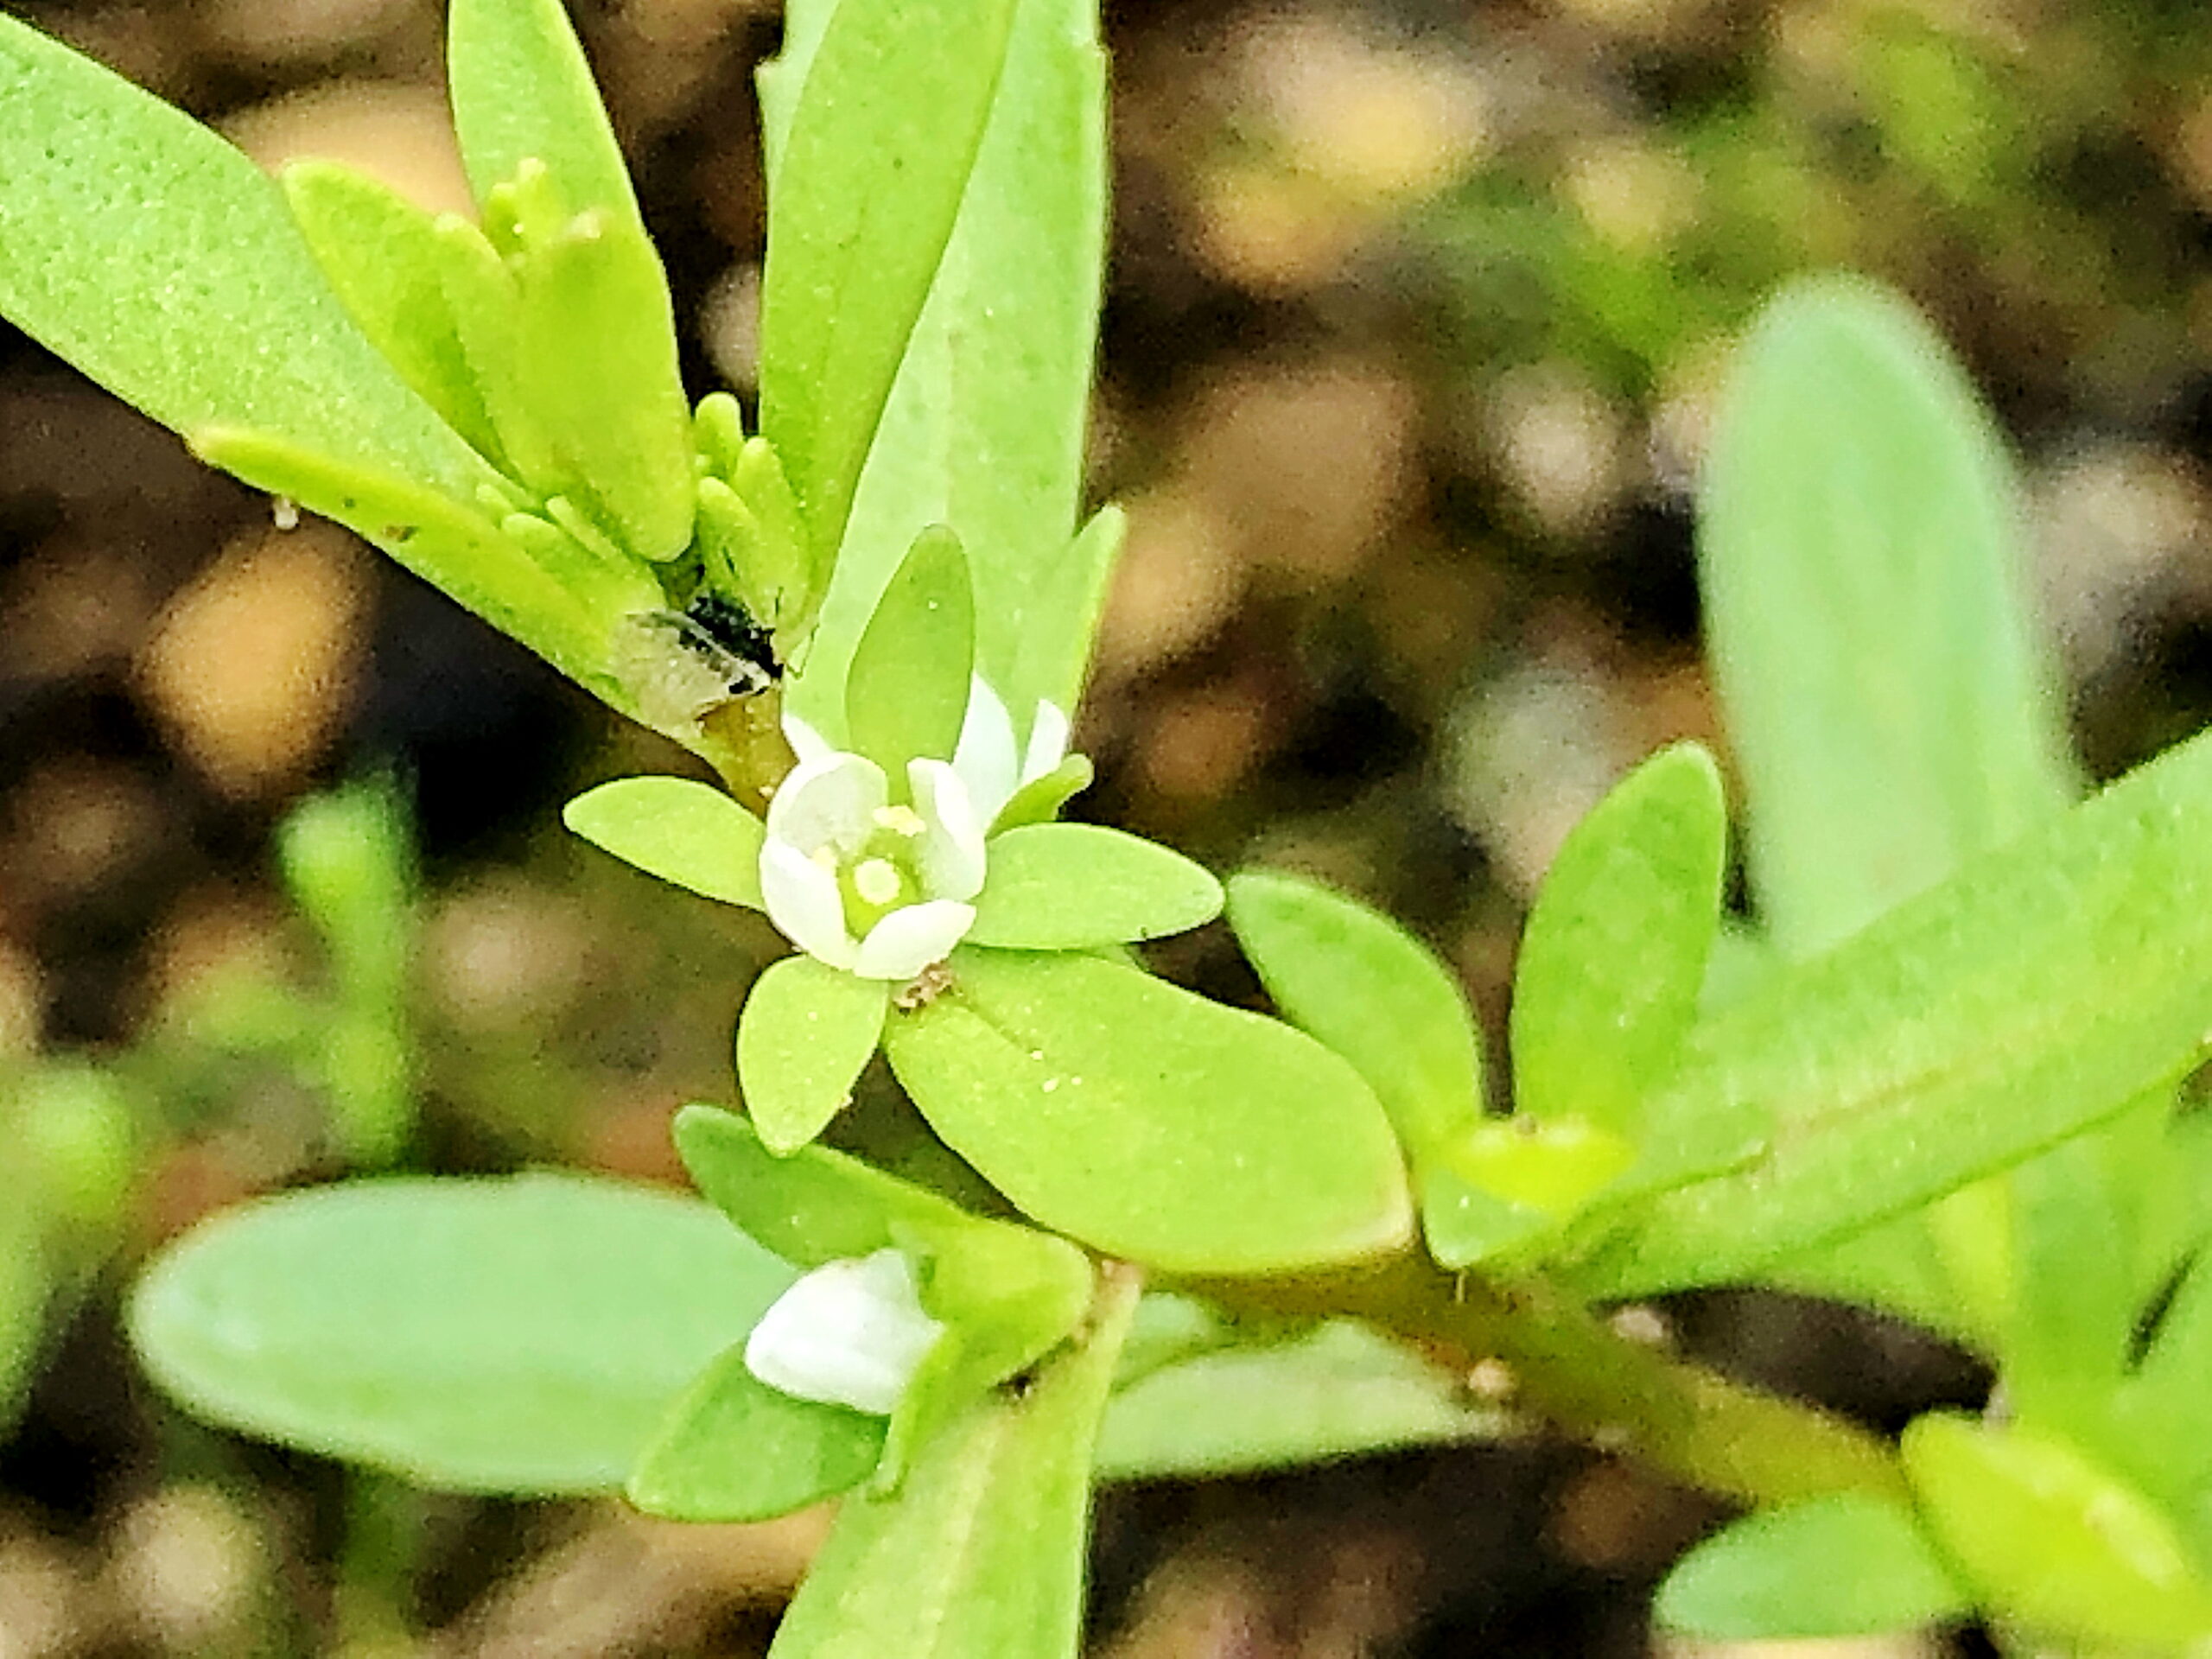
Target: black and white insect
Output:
[(684, 663)]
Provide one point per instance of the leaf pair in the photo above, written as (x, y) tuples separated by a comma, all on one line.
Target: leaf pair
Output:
[(1611, 969)]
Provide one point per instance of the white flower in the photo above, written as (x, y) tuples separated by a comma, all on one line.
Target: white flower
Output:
[(881, 889), (851, 1333), (987, 757)]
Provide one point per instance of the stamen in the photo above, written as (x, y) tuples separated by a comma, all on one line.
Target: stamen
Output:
[(901, 820)]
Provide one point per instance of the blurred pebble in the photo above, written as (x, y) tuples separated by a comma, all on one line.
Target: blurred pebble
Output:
[(1907, 1645), (505, 954), (1560, 444), (253, 666), (281, 31), (71, 609), (22, 1003), (729, 325), (1203, 743), (1176, 584), (1612, 1517), (76, 824), (1308, 464), (186, 1566), (40, 1594), (1635, 196), (1532, 752), (2120, 532), (399, 131)]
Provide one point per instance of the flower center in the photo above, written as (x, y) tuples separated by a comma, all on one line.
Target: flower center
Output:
[(882, 874)]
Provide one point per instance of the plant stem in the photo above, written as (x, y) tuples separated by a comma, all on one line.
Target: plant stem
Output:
[(1570, 1368)]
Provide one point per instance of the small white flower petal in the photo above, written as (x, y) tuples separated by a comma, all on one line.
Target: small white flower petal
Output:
[(802, 899), (850, 1333), (1048, 741), (829, 801), (806, 743), (911, 937), (985, 756), (950, 855)]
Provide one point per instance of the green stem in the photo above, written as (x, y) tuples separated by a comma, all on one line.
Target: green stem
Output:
[(1570, 1368)]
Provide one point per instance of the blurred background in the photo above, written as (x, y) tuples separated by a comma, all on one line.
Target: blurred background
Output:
[(1416, 315)]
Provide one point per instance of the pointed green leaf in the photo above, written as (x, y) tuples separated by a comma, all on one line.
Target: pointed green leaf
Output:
[(158, 259), (2043, 989), (1039, 800), (681, 830), (806, 1031), (1851, 1564), (523, 1335), (1149, 1122), (862, 204), (380, 253), (1614, 960), (595, 356), (1062, 887), (1860, 541), (523, 92), (484, 302), (734, 1449), (1341, 1390), (910, 680), (2052, 1541), (455, 548), (1362, 984), (986, 421), (981, 1551)]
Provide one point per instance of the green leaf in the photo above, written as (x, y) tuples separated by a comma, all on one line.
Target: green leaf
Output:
[(2040, 991), (861, 203), (25, 1286), (806, 1031), (911, 674), (1063, 887), (452, 547), (1614, 957), (983, 1549), (523, 92), (734, 1449), (1340, 1390), (595, 358), (159, 260), (1349, 976), (522, 1335), (986, 423), (1039, 800), (1149, 1122), (681, 830), (2049, 1539), (1860, 540), (385, 259), (1850, 1564), (348, 861)]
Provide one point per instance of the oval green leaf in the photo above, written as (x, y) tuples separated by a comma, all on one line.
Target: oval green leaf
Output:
[(1614, 960), (806, 1031), (1850, 1564), (1065, 886), (1152, 1123), (2051, 1540), (679, 830), (734, 1449), (522, 1336), (908, 690), (1346, 974), (156, 258)]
